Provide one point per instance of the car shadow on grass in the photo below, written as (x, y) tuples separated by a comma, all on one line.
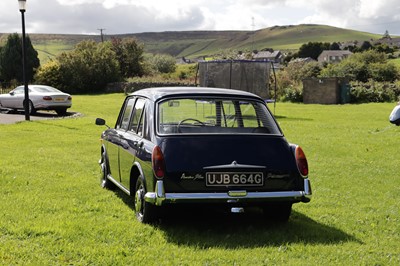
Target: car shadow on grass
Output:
[(251, 229), (13, 117), (205, 227), (41, 113), (286, 118)]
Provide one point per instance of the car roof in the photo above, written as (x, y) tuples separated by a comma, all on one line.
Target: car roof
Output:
[(158, 93), (34, 86)]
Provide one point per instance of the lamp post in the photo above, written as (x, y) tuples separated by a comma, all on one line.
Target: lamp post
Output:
[(22, 8)]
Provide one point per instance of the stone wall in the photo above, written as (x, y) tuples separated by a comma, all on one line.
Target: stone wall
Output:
[(325, 90)]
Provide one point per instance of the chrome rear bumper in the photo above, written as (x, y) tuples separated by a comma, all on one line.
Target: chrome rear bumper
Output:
[(159, 197)]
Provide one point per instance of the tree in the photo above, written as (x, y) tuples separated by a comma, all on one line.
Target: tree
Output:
[(88, 68), (298, 71), (50, 74), (334, 46), (129, 54), (362, 67), (312, 49), (11, 59), (384, 48), (162, 63), (365, 46), (386, 35)]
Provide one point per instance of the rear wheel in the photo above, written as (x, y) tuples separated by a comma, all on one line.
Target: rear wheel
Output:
[(278, 211), (61, 112), (31, 108), (145, 212)]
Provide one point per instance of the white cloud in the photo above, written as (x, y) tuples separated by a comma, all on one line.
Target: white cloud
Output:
[(130, 16)]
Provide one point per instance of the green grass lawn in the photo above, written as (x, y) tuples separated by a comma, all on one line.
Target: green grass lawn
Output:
[(54, 212)]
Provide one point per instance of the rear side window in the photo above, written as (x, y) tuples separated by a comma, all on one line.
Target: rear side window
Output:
[(19, 90), (215, 116), (137, 123), (124, 122)]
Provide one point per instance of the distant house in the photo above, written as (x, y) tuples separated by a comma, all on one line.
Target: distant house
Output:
[(391, 42), (274, 56), (333, 56)]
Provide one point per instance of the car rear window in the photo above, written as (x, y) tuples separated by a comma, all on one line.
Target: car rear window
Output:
[(45, 89), (215, 116)]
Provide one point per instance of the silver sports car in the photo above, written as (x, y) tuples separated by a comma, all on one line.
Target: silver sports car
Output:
[(394, 117), (41, 97)]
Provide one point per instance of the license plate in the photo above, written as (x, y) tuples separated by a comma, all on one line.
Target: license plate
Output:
[(234, 179), (59, 99)]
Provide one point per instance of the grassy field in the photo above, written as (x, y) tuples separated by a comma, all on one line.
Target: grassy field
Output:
[(54, 212), (48, 50)]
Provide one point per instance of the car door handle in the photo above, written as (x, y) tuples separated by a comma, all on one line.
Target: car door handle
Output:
[(139, 144)]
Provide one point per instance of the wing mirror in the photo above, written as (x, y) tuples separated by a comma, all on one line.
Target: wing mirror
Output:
[(101, 122)]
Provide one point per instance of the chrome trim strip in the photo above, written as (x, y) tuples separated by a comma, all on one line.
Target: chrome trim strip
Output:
[(250, 195), (159, 197), (160, 192), (307, 190), (109, 177)]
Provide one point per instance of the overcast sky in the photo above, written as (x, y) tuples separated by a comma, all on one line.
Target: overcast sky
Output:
[(135, 16)]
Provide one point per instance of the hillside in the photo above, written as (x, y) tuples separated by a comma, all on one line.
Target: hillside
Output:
[(194, 44), (197, 44)]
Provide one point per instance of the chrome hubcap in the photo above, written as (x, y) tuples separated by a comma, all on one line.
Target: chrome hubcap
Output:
[(139, 200)]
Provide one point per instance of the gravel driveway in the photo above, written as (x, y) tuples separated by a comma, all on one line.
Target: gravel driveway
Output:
[(7, 117)]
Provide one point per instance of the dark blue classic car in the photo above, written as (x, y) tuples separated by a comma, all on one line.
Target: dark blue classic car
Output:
[(197, 145)]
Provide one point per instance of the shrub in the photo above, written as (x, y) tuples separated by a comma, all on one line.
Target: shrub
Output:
[(162, 63), (371, 91), (129, 54), (297, 71), (292, 94), (363, 67), (289, 80), (384, 72), (88, 68), (49, 74)]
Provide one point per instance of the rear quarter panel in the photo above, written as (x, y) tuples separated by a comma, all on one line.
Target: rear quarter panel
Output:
[(186, 156)]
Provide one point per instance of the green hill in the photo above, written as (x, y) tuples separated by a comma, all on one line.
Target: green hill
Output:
[(194, 44)]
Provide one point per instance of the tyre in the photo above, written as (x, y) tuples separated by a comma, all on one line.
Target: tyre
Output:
[(279, 212), (104, 181), (31, 108), (144, 211), (61, 112)]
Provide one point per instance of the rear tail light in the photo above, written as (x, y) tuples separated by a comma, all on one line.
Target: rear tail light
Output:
[(47, 98), (301, 161), (157, 160), (69, 98)]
